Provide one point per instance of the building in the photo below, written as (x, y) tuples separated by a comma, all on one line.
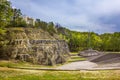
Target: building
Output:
[(29, 21)]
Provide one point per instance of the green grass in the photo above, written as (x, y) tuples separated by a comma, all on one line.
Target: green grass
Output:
[(58, 75), (76, 58), (73, 53), (22, 64), (112, 52)]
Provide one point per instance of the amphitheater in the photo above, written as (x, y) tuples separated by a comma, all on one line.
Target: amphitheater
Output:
[(102, 61)]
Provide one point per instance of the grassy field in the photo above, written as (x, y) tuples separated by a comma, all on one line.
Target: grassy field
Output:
[(9, 64), (74, 53), (112, 52), (7, 73), (76, 58), (17, 74)]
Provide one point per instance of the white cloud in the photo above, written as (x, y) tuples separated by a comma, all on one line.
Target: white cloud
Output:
[(107, 7), (72, 12)]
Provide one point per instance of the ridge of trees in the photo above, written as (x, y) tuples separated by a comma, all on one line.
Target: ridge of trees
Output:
[(79, 41)]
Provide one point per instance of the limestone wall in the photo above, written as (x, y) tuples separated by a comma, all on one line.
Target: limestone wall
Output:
[(28, 45)]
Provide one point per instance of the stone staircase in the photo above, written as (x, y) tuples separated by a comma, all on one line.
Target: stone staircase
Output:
[(107, 58), (113, 60)]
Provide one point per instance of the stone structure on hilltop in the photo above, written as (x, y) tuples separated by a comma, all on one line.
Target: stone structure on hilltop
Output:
[(29, 20)]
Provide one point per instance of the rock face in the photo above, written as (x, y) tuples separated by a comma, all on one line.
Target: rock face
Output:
[(35, 46)]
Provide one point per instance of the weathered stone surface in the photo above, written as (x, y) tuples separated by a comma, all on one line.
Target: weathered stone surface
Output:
[(27, 45)]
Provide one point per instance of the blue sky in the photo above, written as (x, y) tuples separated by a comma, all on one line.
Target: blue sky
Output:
[(100, 16)]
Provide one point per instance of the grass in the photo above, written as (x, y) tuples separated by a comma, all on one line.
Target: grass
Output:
[(112, 52), (76, 58), (23, 74), (74, 53), (10, 64), (8, 74)]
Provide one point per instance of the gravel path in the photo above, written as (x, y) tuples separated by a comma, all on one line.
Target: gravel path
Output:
[(78, 65), (87, 65)]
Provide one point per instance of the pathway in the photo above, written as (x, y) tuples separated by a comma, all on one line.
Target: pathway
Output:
[(78, 65)]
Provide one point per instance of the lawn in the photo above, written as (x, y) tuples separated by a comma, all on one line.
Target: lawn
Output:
[(7, 73), (76, 58), (20, 64), (13, 74)]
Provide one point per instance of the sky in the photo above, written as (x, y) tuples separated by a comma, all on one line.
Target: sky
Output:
[(100, 16)]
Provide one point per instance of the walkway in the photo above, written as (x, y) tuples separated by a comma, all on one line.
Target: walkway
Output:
[(78, 65)]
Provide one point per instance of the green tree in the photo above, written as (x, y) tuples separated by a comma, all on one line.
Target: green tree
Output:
[(41, 24), (5, 18), (5, 13), (17, 19), (106, 42), (37, 23), (51, 28)]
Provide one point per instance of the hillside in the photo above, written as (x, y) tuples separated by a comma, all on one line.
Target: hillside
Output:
[(30, 33)]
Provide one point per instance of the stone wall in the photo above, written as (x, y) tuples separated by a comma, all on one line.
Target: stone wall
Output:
[(30, 46)]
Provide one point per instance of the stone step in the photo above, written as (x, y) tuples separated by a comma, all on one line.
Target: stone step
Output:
[(105, 57)]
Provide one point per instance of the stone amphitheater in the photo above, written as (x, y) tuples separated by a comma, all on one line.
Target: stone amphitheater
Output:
[(102, 61)]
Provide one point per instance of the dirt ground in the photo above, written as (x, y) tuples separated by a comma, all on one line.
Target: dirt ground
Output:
[(87, 65), (78, 65), (102, 61)]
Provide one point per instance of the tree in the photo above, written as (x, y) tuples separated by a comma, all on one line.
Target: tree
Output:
[(17, 19), (95, 41), (37, 23), (5, 13), (5, 17), (107, 45), (51, 28), (41, 24)]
